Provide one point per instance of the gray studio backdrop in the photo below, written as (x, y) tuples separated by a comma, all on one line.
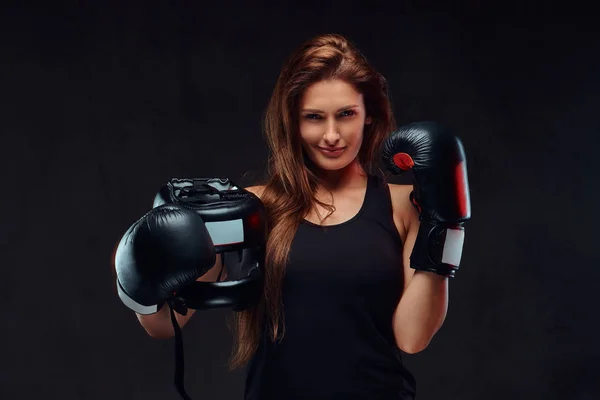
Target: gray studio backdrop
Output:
[(101, 105)]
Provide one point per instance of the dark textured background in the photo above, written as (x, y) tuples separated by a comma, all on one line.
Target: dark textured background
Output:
[(102, 104)]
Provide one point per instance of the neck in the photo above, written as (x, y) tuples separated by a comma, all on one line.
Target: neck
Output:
[(350, 177)]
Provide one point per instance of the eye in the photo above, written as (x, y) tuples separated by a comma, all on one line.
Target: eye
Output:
[(312, 116), (348, 113)]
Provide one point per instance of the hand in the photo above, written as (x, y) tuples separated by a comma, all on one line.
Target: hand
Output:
[(163, 251)]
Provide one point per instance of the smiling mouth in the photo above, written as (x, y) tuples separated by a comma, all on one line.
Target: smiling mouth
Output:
[(332, 152)]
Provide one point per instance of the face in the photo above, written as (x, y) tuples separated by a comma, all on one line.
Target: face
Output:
[(332, 120)]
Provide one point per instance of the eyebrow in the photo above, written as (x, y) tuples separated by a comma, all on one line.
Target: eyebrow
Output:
[(339, 109)]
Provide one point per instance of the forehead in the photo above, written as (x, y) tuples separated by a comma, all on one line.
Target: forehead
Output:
[(330, 94)]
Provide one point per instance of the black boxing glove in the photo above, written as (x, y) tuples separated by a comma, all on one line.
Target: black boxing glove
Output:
[(440, 192), (165, 250)]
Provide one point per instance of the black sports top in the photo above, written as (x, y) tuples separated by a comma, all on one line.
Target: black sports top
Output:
[(341, 287)]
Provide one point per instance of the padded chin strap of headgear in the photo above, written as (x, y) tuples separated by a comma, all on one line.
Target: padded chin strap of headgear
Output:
[(235, 220)]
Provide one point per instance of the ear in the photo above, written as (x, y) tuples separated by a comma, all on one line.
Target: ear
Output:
[(368, 121)]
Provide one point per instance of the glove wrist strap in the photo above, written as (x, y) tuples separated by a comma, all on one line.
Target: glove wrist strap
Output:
[(438, 248)]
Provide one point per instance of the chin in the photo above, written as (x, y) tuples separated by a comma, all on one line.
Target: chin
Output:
[(332, 167), (326, 164)]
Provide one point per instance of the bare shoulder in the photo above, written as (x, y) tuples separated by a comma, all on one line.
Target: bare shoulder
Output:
[(256, 190)]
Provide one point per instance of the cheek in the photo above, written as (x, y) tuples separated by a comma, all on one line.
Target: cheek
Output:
[(309, 134), (355, 134)]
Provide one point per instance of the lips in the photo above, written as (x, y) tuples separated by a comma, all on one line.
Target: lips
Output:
[(332, 151)]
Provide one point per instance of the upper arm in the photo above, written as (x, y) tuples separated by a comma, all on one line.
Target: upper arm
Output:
[(256, 190), (407, 222)]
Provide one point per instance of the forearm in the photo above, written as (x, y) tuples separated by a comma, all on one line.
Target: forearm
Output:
[(159, 325), (421, 311)]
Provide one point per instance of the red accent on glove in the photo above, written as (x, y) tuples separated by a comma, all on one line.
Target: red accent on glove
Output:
[(403, 161)]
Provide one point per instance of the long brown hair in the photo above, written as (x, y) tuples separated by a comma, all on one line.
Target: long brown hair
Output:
[(290, 187)]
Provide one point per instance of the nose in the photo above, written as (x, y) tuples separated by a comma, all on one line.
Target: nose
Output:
[(331, 136)]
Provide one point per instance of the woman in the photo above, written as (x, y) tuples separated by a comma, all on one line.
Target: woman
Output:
[(340, 300), (340, 241)]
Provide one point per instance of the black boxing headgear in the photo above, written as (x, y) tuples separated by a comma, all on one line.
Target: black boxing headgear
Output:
[(235, 220)]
